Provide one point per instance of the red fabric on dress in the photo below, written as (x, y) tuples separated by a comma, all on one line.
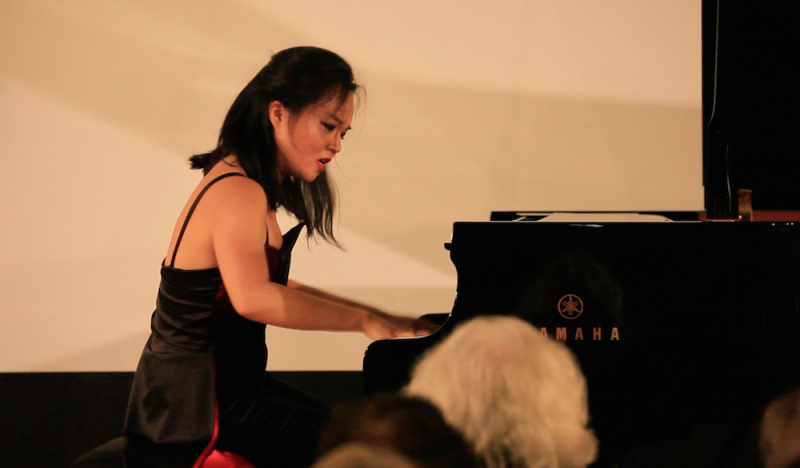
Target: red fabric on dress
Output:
[(219, 459)]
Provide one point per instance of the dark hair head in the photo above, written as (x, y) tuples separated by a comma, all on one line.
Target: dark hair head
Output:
[(297, 78), (410, 426)]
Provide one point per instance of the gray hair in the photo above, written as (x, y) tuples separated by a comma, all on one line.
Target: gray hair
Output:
[(517, 396)]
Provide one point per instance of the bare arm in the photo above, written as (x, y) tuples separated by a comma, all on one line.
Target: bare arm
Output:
[(239, 234), (329, 296), (418, 327)]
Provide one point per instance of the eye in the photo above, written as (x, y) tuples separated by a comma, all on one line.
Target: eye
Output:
[(328, 126), (343, 135)]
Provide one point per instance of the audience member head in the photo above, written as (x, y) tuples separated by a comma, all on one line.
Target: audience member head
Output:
[(780, 432), (360, 455), (518, 397), (409, 426)]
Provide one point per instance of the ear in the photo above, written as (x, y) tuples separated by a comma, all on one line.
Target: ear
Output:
[(277, 113)]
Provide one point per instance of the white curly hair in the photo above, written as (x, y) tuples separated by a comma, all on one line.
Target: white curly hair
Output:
[(517, 396)]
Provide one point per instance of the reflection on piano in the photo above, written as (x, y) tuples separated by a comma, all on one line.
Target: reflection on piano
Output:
[(673, 323)]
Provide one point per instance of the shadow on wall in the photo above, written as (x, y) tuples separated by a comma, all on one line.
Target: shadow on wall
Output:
[(435, 155), (168, 71)]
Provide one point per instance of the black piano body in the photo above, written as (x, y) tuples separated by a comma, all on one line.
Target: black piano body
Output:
[(673, 323)]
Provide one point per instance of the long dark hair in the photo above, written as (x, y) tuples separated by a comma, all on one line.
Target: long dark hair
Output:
[(297, 78)]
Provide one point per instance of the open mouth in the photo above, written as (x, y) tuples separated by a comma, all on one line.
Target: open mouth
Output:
[(322, 162)]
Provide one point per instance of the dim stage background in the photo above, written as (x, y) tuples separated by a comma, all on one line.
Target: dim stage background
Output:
[(471, 106)]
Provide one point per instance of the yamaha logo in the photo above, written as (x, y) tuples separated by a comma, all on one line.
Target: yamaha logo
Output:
[(570, 306)]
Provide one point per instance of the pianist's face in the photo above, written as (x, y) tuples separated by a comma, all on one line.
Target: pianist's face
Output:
[(310, 139)]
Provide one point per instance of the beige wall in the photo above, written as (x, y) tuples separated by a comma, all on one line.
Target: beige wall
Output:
[(472, 106)]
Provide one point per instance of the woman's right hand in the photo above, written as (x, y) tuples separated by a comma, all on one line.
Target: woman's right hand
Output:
[(381, 325)]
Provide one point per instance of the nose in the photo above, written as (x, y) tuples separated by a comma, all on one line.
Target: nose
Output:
[(337, 144)]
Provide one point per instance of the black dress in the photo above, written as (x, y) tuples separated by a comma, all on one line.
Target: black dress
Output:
[(201, 382)]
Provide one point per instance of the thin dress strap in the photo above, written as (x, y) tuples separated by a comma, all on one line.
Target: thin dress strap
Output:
[(191, 210)]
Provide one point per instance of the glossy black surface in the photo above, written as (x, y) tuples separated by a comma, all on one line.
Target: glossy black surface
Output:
[(706, 313), (750, 101)]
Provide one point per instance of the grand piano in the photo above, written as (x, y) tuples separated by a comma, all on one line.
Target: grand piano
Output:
[(674, 323), (676, 318)]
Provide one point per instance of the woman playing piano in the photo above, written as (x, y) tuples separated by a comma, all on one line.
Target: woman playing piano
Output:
[(200, 384)]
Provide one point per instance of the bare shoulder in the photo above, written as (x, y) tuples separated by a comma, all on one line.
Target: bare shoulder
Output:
[(234, 195), (238, 228), (240, 184)]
